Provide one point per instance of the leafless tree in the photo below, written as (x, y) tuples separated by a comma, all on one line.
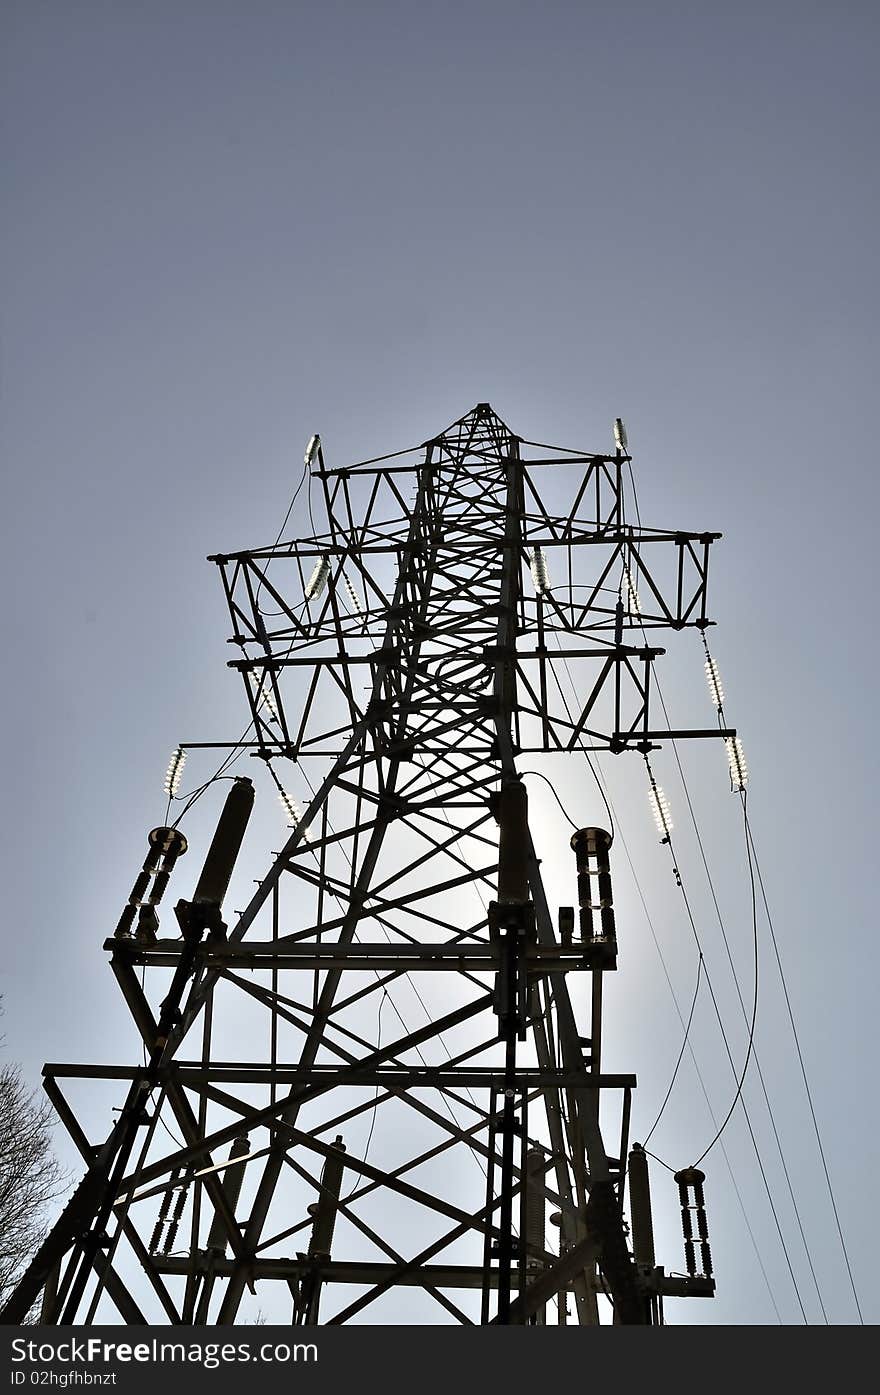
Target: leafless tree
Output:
[(30, 1176)]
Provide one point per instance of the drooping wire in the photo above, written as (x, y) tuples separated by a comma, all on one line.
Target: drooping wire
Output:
[(584, 752), (680, 883), (286, 517), (730, 1057), (552, 787), (803, 1070), (741, 1081), (717, 693), (615, 825), (739, 1098), (699, 1074), (375, 1109), (790, 1011), (678, 1062)]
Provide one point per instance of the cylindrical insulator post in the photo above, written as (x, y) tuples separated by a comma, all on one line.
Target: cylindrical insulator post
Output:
[(618, 623), (640, 1206), (513, 818), (141, 882), (693, 1206), (566, 925), (535, 1204), (225, 845), (125, 922), (579, 842), (232, 1179), (535, 1214), (160, 882), (591, 853), (606, 896), (156, 1236), (164, 1209), (174, 1223), (324, 1209)]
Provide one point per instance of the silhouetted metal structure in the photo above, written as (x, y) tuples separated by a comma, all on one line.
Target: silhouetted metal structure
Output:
[(397, 665)]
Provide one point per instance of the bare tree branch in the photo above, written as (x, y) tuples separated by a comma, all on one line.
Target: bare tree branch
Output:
[(30, 1176)]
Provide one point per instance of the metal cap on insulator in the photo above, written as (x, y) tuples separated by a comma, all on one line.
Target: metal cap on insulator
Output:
[(591, 840), (640, 1206), (169, 841), (225, 845), (690, 1177), (513, 819)]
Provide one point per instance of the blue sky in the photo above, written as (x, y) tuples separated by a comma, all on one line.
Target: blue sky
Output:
[(228, 226)]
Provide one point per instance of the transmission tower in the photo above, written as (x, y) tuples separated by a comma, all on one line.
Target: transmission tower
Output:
[(385, 1079)]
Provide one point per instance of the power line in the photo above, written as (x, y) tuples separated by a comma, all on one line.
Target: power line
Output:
[(609, 805), (680, 1054), (751, 1025), (718, 698), (738, 1095), (804, 1072)]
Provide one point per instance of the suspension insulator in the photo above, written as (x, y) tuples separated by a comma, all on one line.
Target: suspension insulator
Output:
[(318, 579), (693, 1207), (353, 596), (540, 571)]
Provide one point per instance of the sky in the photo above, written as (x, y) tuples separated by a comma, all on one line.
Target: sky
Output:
[(228, 226)]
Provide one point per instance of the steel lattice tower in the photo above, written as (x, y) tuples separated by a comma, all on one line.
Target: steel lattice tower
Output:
[(398, 664)]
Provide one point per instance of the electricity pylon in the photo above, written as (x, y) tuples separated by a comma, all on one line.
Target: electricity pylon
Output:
[(398, 970)]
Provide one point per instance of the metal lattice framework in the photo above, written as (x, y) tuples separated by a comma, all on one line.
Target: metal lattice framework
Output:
[(398, 971)]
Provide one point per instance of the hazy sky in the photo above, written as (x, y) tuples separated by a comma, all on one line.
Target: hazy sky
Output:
[(229, 225)]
